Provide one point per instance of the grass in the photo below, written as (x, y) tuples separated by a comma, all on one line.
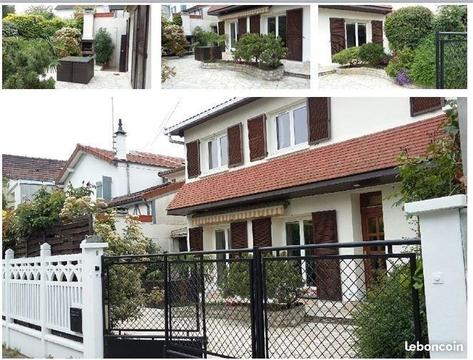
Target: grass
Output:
[(8, 353)]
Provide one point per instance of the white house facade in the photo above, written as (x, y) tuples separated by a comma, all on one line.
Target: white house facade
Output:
[(293, 171), (290, 22), (343, 26), (197, 16)]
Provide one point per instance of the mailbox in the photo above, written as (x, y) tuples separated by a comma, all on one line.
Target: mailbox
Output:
[(76, 319)]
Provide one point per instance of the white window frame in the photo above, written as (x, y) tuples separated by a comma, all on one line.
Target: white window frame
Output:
[(274, 130), (235, 22), (302, 238), (276, 16), (219, 167), (356, 22)]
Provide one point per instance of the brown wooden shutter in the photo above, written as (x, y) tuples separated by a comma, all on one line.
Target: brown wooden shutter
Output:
[(377, 32), (196, 239), (327, 271), (294, 34), (193, 162), (422, 105), (337, 35), (262, 232), (257, 137), (235, 147), (255, 24), (318, 118), (241, 26), (239, 235), (221, 27)]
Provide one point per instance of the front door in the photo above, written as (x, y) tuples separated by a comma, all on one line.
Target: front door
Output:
[(294, 34), (373, 229)]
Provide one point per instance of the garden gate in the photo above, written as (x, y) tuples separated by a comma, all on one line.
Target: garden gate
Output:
[(307, 301), (451, 60)]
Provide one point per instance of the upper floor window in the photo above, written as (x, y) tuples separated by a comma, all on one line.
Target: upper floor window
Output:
[(218, 152), (356, 33), (291, 127)]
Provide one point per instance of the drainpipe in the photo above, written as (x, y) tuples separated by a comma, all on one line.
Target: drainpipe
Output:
[(128, 189)]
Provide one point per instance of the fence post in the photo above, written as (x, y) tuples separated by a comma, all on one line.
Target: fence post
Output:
[(9, 255), (44, 252), (258, 302), (444, 271), (92, 312)]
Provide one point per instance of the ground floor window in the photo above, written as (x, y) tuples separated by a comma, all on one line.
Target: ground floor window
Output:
[(277, 26), (221, 243), (300, 232), (180, 244), (356, 33), (233, 34)]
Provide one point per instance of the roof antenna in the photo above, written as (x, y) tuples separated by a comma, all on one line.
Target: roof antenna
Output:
[(114, 148)]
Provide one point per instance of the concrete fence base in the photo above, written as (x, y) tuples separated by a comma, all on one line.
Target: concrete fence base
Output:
[(270, 75)]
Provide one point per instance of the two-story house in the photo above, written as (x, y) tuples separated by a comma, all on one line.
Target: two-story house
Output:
[(197, 16), (343, 26), (289, 171), (26, 175), (290, 22)]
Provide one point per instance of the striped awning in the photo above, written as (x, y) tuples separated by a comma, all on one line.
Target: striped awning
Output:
[(246, 13), (238, 215)]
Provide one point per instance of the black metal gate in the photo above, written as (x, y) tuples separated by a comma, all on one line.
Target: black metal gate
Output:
[(451, 60), (298, 301)]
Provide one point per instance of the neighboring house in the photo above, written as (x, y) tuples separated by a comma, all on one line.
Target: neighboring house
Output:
[(166, 11), (197, 16), (169, 232), (26, 175), (343, 26), (290, 171), (290, 22)]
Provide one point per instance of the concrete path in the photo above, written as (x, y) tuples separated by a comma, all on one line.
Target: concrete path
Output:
[(189, 75), (356, 82), (101, 80)]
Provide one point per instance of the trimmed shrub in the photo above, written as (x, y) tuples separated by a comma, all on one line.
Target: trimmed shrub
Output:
[(266, 51), (423, 70), (401, 61), (348, 56), (67, 42), (248, 48), (273, 52), (103, 46), (451, 18), (408, 26), (372, 53), (24, 62)]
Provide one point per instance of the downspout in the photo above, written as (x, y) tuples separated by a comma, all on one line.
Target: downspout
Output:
[(128, 178)]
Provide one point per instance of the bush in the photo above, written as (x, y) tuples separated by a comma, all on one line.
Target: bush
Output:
[(103, 46), (67, 42), (173, 40), (33, 26), (40, 10), (266, 51), (167, 71), (24, 62), (408, 26), (273, 51), (207, 38), (402, 60), (423, 71), (7, 10), (248, 48), (372, 53), (451, 18), (348, 56)]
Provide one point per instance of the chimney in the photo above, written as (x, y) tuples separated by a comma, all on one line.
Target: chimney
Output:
[(88, 26), (120, 142)]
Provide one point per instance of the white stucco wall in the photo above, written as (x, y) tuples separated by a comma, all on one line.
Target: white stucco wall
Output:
[(91, 169), (116, 27), (350, 117), (189, 24), (324, 54)]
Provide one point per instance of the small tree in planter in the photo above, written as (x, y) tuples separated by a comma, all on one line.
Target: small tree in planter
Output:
[(103, 47), (208, 45)]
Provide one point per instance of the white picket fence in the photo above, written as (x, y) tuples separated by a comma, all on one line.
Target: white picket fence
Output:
[(37, 296)]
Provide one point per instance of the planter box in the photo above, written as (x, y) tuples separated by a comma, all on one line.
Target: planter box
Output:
[(270, 75), (208, 53), (76, 69)]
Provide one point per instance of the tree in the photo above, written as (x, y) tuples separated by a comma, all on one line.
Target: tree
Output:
[(173, 40), (103, 46), (41, 10), (67, 42), (177, 19), (7, 10)]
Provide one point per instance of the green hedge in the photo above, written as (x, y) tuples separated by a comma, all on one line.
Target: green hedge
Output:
[(372, 54), (348, 56)]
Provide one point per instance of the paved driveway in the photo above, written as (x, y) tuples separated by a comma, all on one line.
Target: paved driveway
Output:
[(102, 80), (189, 75), (356, 82)]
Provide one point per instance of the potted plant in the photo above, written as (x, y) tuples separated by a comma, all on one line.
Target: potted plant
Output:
[(208, 45)]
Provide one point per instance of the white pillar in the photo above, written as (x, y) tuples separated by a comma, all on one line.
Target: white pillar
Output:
[(444, 270), (92, 315), (9, 255), (44, 252)]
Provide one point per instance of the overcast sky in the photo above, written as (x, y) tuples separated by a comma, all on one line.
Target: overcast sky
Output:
[(50, 124)]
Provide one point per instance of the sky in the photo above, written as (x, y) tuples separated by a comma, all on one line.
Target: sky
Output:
[(51, 123)]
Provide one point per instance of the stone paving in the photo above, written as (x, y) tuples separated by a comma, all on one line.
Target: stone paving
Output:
[(189, 75), (103, 79), (356, 82)]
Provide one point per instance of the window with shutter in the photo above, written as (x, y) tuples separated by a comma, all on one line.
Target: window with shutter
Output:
[(262, 232), (193, 159), (257, 137), (288, 129), (99, 190), (235, 147), (422, 105), (319, 119), (107, 187)]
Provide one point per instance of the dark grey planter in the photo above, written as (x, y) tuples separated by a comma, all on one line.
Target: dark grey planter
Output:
[(208, 53)]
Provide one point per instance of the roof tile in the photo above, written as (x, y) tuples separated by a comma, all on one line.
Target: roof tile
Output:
[(16, 167)]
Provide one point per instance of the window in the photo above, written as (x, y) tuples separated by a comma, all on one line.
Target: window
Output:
[(299, 232), (356, 34), (218, 152), (233, 34), (221, 243), (277, 26), (99, 189), (272, 25), (291, 128)]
